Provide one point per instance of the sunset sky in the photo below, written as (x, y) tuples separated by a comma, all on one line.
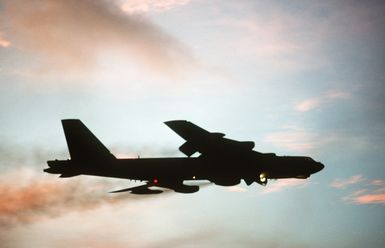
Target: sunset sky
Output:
[(296, 77)]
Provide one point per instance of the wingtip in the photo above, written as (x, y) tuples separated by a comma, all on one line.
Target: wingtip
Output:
[(70, 120), (174, 122), (170, 121)]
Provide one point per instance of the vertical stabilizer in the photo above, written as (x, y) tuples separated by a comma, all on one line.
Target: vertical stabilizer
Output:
[(83, 144)]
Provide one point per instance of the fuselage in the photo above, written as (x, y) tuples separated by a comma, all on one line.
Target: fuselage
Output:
[(226, 171)]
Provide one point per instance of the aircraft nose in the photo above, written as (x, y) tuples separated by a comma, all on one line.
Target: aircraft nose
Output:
[(318, 166)]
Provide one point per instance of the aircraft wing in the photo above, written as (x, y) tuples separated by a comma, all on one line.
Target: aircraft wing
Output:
[(139, 190), (145, 188), (205, 142)]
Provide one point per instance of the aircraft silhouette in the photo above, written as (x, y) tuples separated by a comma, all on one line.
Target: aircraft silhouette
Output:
[(222, 161)]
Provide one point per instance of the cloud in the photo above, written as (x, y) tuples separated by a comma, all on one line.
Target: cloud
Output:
[(370, 199), (262, 39), (237, 188), (144, 6), (316, 102), (370, 193), (308, 104), (276, 35), (299, 139), (3, 41), (377, 182), (296, 140), (343, 183), (282, 184), (362, 197), (35, 196), (197, 238), (73, 35), (338, 95)]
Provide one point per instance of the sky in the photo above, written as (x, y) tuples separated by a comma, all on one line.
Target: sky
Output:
[(296, 77)]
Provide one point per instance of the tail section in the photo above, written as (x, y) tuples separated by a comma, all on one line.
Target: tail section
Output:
[(83, 144)]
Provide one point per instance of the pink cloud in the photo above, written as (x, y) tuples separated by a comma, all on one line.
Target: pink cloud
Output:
[(365, 196), (35, 196), (308, 104), (370, 199), (343, 183), (316, 102), (368, 194), (4, 42), (59, 39), (237, 188), (143, 6), (282, 184)]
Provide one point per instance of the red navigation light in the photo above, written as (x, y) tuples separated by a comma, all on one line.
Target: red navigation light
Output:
[(155, 181)]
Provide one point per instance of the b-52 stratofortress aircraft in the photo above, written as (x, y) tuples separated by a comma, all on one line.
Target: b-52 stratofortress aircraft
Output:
[(221, 161)]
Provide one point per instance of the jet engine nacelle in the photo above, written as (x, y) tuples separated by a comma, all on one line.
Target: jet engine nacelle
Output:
[(247, 144), (217, 135), (145, 191), (226, 181), (186, 188), (188, 149)]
